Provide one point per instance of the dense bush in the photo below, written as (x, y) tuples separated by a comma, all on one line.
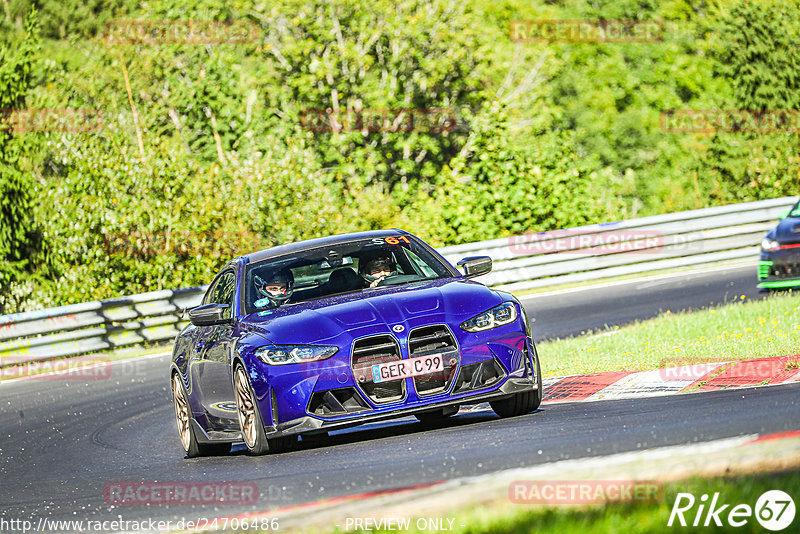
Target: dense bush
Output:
[(66, 18), (206, 150), (20, 243), (758, 50)]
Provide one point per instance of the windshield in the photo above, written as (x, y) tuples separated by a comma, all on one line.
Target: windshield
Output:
[(350, 267), (795, 210)]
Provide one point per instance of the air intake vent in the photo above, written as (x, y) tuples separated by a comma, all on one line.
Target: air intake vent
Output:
[(432, 341), (336, 402), (478, 376), (784, 271), (366, 353), (274, 401)]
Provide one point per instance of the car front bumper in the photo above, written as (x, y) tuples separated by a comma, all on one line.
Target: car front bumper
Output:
[(311, 425), (779, 270)]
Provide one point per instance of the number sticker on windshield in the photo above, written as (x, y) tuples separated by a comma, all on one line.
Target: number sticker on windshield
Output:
[(391, 240)]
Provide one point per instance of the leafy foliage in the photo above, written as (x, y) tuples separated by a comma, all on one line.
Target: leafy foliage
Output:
[(65, 18), (343, 57), (18, 229), (497, 189), (759, 51), (760, 54), (206, 151)]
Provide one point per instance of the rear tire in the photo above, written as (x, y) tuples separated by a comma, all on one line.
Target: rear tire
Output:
[(436, 416), (521, 403), (191, 446)]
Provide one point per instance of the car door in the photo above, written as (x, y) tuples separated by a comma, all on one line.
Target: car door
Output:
[(212, 363)]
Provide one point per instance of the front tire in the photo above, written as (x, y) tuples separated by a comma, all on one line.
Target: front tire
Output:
[(249, 415), (521, 403), (183, 417)]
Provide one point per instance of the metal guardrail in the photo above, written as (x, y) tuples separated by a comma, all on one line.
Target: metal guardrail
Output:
[(93, 326), (626, 247), (520, 262)]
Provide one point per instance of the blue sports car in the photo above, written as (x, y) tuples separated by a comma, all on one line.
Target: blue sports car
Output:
[(308, 337), (779, 265)]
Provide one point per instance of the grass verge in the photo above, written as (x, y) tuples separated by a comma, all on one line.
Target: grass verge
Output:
[(628, 517), (735, 331)]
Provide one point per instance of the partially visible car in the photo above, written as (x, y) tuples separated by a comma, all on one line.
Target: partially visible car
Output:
[(779, 265)]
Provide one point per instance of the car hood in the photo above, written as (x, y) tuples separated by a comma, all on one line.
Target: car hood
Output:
[(448, 300), (787, 231)]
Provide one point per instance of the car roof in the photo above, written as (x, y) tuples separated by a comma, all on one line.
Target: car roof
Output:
[(308, 244)]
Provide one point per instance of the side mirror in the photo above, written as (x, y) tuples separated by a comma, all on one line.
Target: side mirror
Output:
[(475, 265), (186, 310), (209, 315)]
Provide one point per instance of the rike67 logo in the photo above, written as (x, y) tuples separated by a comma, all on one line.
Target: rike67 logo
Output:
[(774, 510)]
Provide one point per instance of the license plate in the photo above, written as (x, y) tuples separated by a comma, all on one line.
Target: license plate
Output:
[(386, 372)]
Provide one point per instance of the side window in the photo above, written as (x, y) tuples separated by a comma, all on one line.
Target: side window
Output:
[(211, 291), (399, 263), (222, 292), (421, 266)]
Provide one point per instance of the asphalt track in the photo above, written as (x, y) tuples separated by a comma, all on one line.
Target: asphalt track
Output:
[(63, 441), (574, 311)]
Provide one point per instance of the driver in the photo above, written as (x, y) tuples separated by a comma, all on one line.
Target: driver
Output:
[(377, 269), (277, 289)]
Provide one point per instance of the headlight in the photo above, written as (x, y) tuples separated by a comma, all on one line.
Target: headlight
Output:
[(286, 354), (769, 244), (498, 316)]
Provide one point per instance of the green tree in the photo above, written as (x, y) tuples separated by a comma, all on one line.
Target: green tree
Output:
[(760, 54), (758, 51), (611, 96), (495, 188), (64, 18), (19, 239), (345, 56)]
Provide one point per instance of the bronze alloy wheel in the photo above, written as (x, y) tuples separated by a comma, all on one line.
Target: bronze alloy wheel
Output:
[(181, 412), (183, 416), (245, 408), (253, 433)]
